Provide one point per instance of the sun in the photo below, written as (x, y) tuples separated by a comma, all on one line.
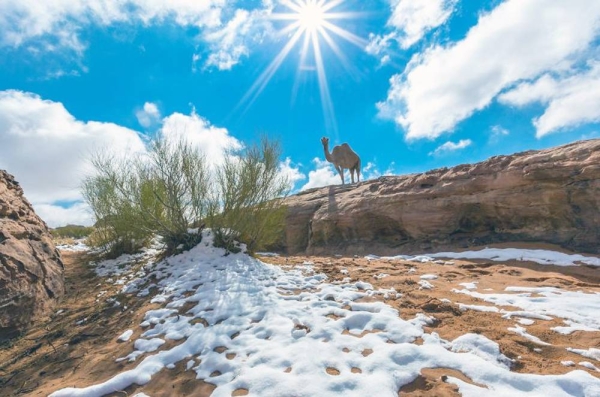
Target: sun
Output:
[(310, 22), (311, 15)]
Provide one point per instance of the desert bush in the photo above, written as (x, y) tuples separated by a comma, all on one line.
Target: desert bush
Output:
[(120, 226), (172, 188), (136, 198), (247, 200)]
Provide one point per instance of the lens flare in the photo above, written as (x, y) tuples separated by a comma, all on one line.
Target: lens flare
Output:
[(311, 21)]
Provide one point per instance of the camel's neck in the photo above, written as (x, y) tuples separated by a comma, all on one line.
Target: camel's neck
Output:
[(327, 154)]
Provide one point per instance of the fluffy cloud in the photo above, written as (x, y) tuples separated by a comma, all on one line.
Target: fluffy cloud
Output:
[(291, 172), (410, 21), (325, 174), (517, 41), (24, 20), (230, 43), (569, 100), (449, 147), (56, 215), (148, 115), (46, 148), (56, 25), (215, 142)]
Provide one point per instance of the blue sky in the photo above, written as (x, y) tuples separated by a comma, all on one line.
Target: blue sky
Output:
[(411, 85)]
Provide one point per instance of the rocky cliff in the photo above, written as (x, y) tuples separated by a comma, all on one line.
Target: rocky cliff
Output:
[(550, 196), (31, 271)]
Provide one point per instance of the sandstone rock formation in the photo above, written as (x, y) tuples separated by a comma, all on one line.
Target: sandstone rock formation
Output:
[(31, 271), (550, 196)]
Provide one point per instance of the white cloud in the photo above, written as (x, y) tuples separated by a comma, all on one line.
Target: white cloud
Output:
[(55, 215), (291, 172), (62, 20), (569, 100), (497, 132), (46, 148), (518, 40), (323, 175), (449, 147), (410, 21), (215, 142), (230, 43), (47, 26), (371, 171), (149, 115)]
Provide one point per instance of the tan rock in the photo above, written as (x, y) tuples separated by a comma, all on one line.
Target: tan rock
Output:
[(550, 196), (31, 270)]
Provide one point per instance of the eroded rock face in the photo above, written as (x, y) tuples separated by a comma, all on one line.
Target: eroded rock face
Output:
[(550, 196), (31, 271)]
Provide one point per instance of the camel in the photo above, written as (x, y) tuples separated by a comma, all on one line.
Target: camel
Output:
[(342, 157)]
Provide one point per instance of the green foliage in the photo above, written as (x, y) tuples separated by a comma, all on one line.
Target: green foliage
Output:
[(172, 188), (72, 231), (248, 195), (161, 193), (120, 226)]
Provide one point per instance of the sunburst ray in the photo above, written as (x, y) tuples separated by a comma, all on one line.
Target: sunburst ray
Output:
[(311, 20)]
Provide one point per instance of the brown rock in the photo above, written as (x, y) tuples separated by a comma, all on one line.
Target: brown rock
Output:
[(550, 196), (31, 270)]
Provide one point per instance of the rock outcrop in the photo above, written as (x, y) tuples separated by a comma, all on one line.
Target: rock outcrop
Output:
[(31, 270), (550, 196)]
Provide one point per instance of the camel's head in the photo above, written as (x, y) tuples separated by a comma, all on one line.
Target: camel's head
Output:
[(325, 141)]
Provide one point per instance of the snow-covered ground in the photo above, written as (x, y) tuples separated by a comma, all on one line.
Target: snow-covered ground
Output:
[(543, 257), (79, 245), (280, 332)]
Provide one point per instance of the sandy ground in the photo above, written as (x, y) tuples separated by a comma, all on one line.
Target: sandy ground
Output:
[(57, 352)]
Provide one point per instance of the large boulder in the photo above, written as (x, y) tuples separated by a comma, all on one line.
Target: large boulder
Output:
[(550, 196), (31, 270)]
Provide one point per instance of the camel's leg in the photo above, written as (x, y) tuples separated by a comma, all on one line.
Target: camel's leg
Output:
[(341, 172), (352, 174)]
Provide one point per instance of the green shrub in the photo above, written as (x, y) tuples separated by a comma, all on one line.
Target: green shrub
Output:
[(172, 188), (248, 198)]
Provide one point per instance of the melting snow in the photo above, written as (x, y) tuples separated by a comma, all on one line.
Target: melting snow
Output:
[(523, 332), (579, 310), (470, 286), (77, 247), (591, 353), (125, 336), (543, 257), (275, 320)]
